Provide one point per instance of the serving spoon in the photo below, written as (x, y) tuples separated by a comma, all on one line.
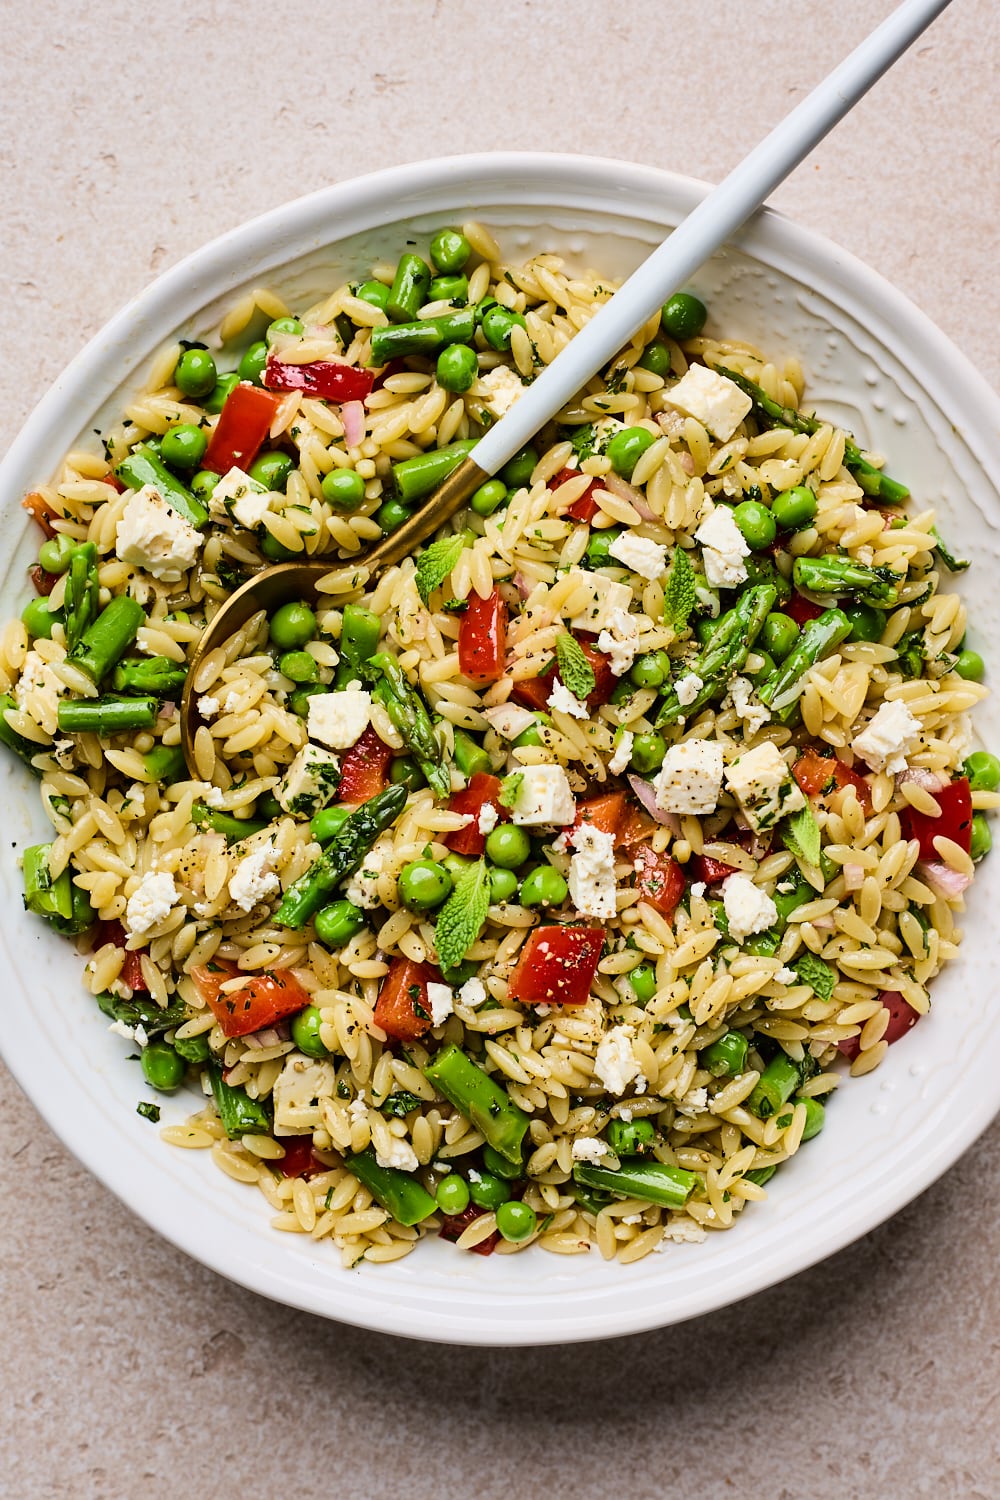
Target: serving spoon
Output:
[(708, 226)]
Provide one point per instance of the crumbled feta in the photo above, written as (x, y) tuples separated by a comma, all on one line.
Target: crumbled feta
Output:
[(488, 818), (154, 536), (310, 781), (357, 1112), (723, 549), (712, 399), (121, 1029), (687, 688), (888, 738), (298, 1088), (698, 888), (639, 554), (543, 796), (510, 719), (748, 708), (589, 1148), (339, 719), (37, 693), (150, 903), (241, 497), (398, 1154), (472, 993), (207, 706), (231, 701), (362, 888), (63, 752), (683, 1232), (786, 976), (619, 639), (748, 908), (213, 795), (254, 879), (606, 596), (502, 387), (622, 757), (615, 1064), (763, 786), (690, 778), (441, 999), (592, 873), (567, 703), (694, 1102), (632, 1218)]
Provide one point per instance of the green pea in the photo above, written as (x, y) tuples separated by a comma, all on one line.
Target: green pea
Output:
[(648, 752), (487, 1191), (299, 666), (274, 550), (543, 886), (183, 446), (344, 488), (449, 251), (391, 514), (656, 359), (970, 665), (271, 469), (815, 1118), (626, 448), (498, 325), (281, 326), (630, 1137), (195, 373), (982, 840), (622, 693), (455, 864), (404, 771), (867, 623), (423, 884), (251, 366), (449, 289), (598, 552), (161, 1067), (983, 771), (532, 735), (518, 471), (54, 555), (203, 483), (503, 884), (683, 316), (516, 1221), (452, 1195), (337, 923), (794, 508), (643, 981), (292, 626), (298, 701), (651, 670), (489, 496), (220, 392), (375, 293), (778, 634), (756, 523), (193, 1049), (508, 846), (499, 1166), (324, 825), (305, 1032), (457, 367), (38, 618), (268, 807)]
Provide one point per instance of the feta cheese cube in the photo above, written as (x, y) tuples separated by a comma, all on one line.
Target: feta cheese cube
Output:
[(208, 706), (888, 737), (620, 640), (399, 1154), (362, 888), (502, 387), (310, 781), (254, 880), (151, 902), (592, 873), (763, 786), (690, 778), (619, 762), (589, 1148), (687, 688), (234, 486), (472, 993), (753, 713), (339, 719), (441, 999), (639, 554), (748, 908), (605, 596), (712, 399), (562, 699), (615, 1063), (543, 796), (153, 536), (723, 549)]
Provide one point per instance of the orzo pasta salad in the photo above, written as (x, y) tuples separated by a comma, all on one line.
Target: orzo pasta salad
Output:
[(545, 889)]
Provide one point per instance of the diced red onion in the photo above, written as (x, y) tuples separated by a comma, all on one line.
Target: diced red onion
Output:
[(615, 485), (646, 795), (854, 877), (353, 416), (929, 780), (523, 585), (946, 881)]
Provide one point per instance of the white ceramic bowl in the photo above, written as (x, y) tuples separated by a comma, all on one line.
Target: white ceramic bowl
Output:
[(874, 363)]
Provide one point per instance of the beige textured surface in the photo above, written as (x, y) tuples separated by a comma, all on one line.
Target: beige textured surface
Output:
[(127, 1369)]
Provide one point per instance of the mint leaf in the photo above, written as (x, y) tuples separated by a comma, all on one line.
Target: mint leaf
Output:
[(679, 597), (436, 562), (509, 788), (462, 916), (951, 562), (583, 441), (574, 669), (801, 835), (818, 975)]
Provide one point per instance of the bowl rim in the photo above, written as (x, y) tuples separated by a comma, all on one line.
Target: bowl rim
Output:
[(276, 237)]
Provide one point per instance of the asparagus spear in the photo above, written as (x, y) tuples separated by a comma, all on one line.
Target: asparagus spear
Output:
[(341, 857), (164, 763), (240, 1115), (142, 467), (107, 639), (425, 336), (358, 643), (725, 652), (149, 674), (408, 713), (483, 1101), (417, 476), (80, 601), (24, 749), (234, 829), (873, 481), (59, 901), (106, 716), (406, 1199), (775, 1085), (142, 1010), (652, 1181), (841, 575), (782, 688)]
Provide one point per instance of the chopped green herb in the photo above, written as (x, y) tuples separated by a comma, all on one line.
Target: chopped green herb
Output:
[(575, 670), (463, 914)]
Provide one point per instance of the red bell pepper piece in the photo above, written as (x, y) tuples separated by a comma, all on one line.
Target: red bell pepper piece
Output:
[(326, 378), (364, 770), (44, 582), (263, 1000), (585, 508), (710, 871), (533, 692), (453, 1226), (242, 428), (482, 637), (820, 775), (637, 826), (482, 789), (660, 880), (955, 822), (604, 813), (402, 1008), (298, 1160), (42, 511), (902, 1018), (801, 609), (557, 966)]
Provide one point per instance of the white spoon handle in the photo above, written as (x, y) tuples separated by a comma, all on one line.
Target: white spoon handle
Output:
[(715, 219)]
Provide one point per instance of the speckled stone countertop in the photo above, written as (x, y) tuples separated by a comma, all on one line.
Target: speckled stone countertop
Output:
[(129, 136)]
